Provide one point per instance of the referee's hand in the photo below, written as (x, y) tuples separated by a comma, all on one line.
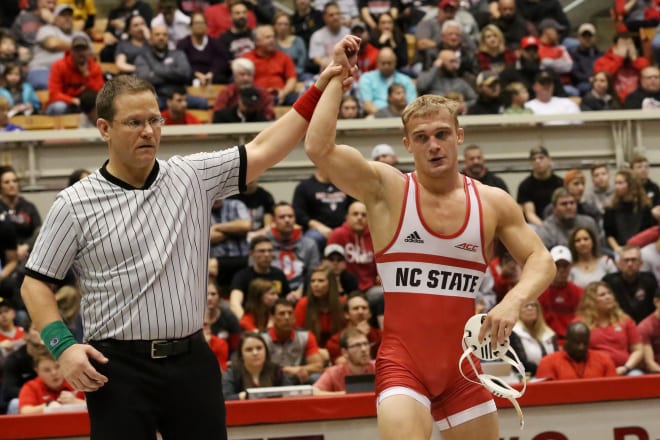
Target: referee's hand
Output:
[(77, 369)]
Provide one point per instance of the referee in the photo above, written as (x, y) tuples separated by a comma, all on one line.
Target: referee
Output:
[(136, 233)]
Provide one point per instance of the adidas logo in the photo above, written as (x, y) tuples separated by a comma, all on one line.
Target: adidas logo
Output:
[(413, 238)]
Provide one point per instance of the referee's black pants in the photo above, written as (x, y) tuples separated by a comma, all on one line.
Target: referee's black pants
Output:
[(179, 396)]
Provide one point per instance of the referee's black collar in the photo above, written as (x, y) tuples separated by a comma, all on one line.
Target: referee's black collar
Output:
[(117, 181)]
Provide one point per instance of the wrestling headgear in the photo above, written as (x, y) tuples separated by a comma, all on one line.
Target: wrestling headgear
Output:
[(485, 352)]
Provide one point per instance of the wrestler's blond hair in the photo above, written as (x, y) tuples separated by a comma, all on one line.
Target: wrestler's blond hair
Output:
[(429, 105)]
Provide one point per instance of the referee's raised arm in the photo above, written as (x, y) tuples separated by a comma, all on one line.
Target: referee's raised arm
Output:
[(274, 143)]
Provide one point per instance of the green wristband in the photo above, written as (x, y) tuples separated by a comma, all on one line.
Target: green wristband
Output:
[(57, 338)]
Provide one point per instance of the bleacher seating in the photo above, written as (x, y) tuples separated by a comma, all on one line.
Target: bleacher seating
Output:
[(209, 92), (206, 116), (46, 122)]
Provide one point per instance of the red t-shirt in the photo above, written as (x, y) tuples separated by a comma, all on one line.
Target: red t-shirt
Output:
[(559, 305), (18, 335), (649, 330), (220, 349), (559, 366), (272, 72), (333, 378), (188, 119), (35, 392), (615, 340)]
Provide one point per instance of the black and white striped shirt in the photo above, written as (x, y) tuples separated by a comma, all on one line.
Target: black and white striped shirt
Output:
[(141, 255)]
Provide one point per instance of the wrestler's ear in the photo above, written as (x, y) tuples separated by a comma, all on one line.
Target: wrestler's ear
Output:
[(406, 143), (460, 136)]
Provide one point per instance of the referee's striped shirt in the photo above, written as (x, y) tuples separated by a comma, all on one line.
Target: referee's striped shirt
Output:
[(141, 255)]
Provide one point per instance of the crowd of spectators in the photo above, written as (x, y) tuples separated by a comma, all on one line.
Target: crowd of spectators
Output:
[(294, 296)]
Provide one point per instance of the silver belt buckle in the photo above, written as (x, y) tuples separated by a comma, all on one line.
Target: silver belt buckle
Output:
[(153, 348)]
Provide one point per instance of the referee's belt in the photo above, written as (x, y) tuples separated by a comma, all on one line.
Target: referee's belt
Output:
[(154, 349)]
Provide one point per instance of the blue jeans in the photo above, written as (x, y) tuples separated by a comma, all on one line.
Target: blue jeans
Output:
[(38, 78)]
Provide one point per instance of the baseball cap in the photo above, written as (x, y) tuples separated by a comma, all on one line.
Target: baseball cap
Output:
[(333, 249), (561, 253), (61, 8), (486, 78), (538, 150), (544, 77), (587, 28), (528, 41), (382, 150), (448, 3), (550, 23), (80, 40), (249, 96), (358, 27), (6, 302)]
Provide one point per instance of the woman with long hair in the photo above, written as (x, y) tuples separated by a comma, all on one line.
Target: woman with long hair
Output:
[(602, 95), (320, 310), (589, 264), (136, 43), (290, 43), (532, 338), (251, 368), (612, 330), (493, 55), (349, 108), (261, 297), (387, 34), (629, 211), (19, 93)]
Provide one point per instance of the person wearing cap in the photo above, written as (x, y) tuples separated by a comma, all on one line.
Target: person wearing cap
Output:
[(425, 236), (649, 330), (11, 335), (247, 108), (511, 23), (474, 167), (294, 253), (527, 66), (334, 257), (52, 42), (274, 70), (368, 54), (490, 100), (384, 153), (545, 103), (584, 56), (177, 109), (443, 78), (72, 75), (557, 227), (560, 300), (27, 23), (554, 56), (321, 41), (243, 77), (624, 63), (535, 191), (576, 360), (374, 85)]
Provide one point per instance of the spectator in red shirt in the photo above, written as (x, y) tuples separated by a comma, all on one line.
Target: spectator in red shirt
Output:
[(275, 71), (355, 349), (560, 300), (69, 77), (219, 19), (243, 72), (11, 335), (177, 109), (48, 389), (576, 360)]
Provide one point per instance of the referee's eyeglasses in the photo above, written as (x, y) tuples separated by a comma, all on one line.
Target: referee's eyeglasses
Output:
[(139, 124)]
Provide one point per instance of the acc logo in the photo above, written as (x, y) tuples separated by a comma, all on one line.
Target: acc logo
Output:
[(467, 247)]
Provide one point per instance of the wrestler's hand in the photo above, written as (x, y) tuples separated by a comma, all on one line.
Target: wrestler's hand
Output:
[(500, 321), (345, 52), (77, 369)]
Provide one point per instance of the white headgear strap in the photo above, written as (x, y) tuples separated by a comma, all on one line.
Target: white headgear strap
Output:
[(484, 351)]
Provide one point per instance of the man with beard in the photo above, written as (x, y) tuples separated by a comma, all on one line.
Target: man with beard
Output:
[(355, 349), (238, 40), (490, 100), (474, 167), (512, 24), (323, 40), (220, 19), (164, 68), (528, 67), (557, 228), (576, 360), (443, 78), (647, 95)]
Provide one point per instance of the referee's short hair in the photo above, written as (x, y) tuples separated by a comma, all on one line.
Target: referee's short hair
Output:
[(119, 85)]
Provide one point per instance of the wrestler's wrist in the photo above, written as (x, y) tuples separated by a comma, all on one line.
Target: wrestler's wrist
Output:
[(306, 104)]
